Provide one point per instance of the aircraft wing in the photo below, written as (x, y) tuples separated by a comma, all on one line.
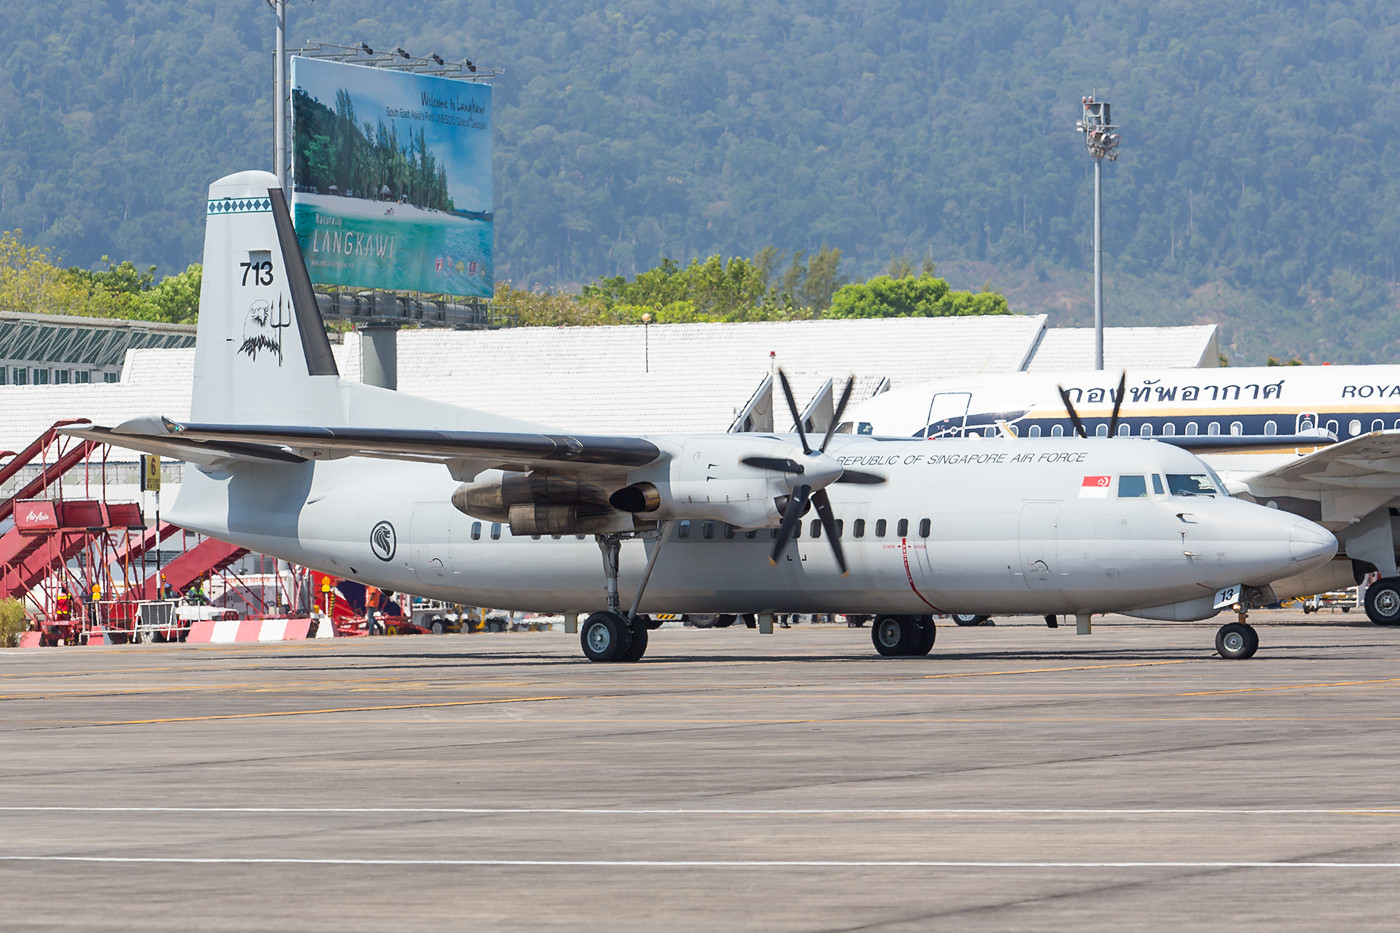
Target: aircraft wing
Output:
[(1351, 478), (203, 443)]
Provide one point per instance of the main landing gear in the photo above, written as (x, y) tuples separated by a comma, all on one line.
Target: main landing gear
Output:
[(1383, 601), (903, 636), (613, 635)]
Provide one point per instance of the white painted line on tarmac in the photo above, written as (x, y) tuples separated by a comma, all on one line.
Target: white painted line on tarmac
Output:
[(703, 811), (676, 863)]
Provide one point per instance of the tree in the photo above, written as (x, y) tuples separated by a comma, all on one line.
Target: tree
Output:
[(924, 296)]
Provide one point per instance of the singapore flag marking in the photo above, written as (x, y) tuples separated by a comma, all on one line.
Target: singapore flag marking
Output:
[(1095, 487)]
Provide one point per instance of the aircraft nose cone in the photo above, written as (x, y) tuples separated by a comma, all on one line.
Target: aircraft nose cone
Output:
[(1311, 544)]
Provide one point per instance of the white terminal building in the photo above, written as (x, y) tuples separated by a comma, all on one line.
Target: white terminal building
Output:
[(632, 379)]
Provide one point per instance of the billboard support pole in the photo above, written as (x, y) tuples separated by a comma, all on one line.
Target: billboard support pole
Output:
[(279, 134)]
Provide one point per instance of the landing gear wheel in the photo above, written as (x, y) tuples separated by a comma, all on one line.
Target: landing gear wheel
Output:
[(894, 636), (968, 618), (638, 646), (605, 636), (703, 620), (1383, 601), (1236, 641), (927, 633)]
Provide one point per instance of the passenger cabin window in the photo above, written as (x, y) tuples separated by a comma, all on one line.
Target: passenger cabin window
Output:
[(1355, 427), (816, 528), (751, 535), (1332, 426), (902, 529), (925, 526), (1034, 431), (1132, 487), (707, 530), (684, 531), (840, 528), (796, 531), (1191, 429), (1378, 425), (1146, 430), (1169, 429), (1101, 430), (1270, 428), (880, 528), (728, 530), (1236, 428), (1124, 430), (1157, 483), (495, 531), (858, 529), (1057, 431), (476, 531), (1213, 429)]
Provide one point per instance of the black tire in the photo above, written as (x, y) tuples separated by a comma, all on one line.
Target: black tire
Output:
[(702, 620), (1383, 601), (438, 628), (605, 637), (968, 618), (894, 636), (1307, 609), (927, 633), (1236, 641), (725, 620), (638, 645), (750, 620)]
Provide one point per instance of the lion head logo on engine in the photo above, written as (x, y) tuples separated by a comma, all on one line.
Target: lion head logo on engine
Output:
[(382, 541), (262, 328)]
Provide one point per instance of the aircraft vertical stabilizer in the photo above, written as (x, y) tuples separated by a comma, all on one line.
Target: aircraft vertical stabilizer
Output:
[(261, 356)]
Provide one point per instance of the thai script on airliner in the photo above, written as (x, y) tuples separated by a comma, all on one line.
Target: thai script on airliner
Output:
[(1152, 391)]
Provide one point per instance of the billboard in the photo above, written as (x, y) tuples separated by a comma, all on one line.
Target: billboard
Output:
[(391, 177)]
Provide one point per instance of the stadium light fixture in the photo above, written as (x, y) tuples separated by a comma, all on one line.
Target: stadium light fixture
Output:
[(1101, 140)]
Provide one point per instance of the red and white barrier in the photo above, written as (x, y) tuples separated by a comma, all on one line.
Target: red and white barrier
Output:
[(231, 631)]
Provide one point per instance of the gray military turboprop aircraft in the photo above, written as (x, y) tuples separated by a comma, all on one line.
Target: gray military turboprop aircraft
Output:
[(418, 496)]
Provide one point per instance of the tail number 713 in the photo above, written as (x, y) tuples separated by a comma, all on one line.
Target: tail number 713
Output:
[(261, 272)]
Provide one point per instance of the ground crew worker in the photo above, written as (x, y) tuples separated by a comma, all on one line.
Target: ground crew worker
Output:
[(372, 607), (64, 608)]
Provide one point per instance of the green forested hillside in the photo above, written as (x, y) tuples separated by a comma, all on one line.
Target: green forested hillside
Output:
[(1257, 184)]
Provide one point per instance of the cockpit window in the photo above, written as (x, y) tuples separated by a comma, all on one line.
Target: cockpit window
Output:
[(1132, 487), (1191, 484)]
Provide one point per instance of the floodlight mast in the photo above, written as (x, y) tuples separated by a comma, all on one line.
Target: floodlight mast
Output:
[(1102, 143)]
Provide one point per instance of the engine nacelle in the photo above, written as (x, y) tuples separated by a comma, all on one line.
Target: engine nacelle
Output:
[(742, 503), (1336, 574), (539, 503)]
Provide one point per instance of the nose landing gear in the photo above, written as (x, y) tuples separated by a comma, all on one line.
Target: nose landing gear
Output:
[(1236, 641)]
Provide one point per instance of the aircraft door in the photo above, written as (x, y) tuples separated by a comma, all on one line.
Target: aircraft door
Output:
[(947, 414), (431, 542), (1039, 546)]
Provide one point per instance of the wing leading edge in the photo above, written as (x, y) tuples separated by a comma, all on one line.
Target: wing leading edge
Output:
[(214, 444)]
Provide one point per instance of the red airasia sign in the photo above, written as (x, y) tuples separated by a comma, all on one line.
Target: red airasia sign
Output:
[(35, 516)]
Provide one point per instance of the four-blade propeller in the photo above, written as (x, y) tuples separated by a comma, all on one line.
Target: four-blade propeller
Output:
[(809, 491)]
